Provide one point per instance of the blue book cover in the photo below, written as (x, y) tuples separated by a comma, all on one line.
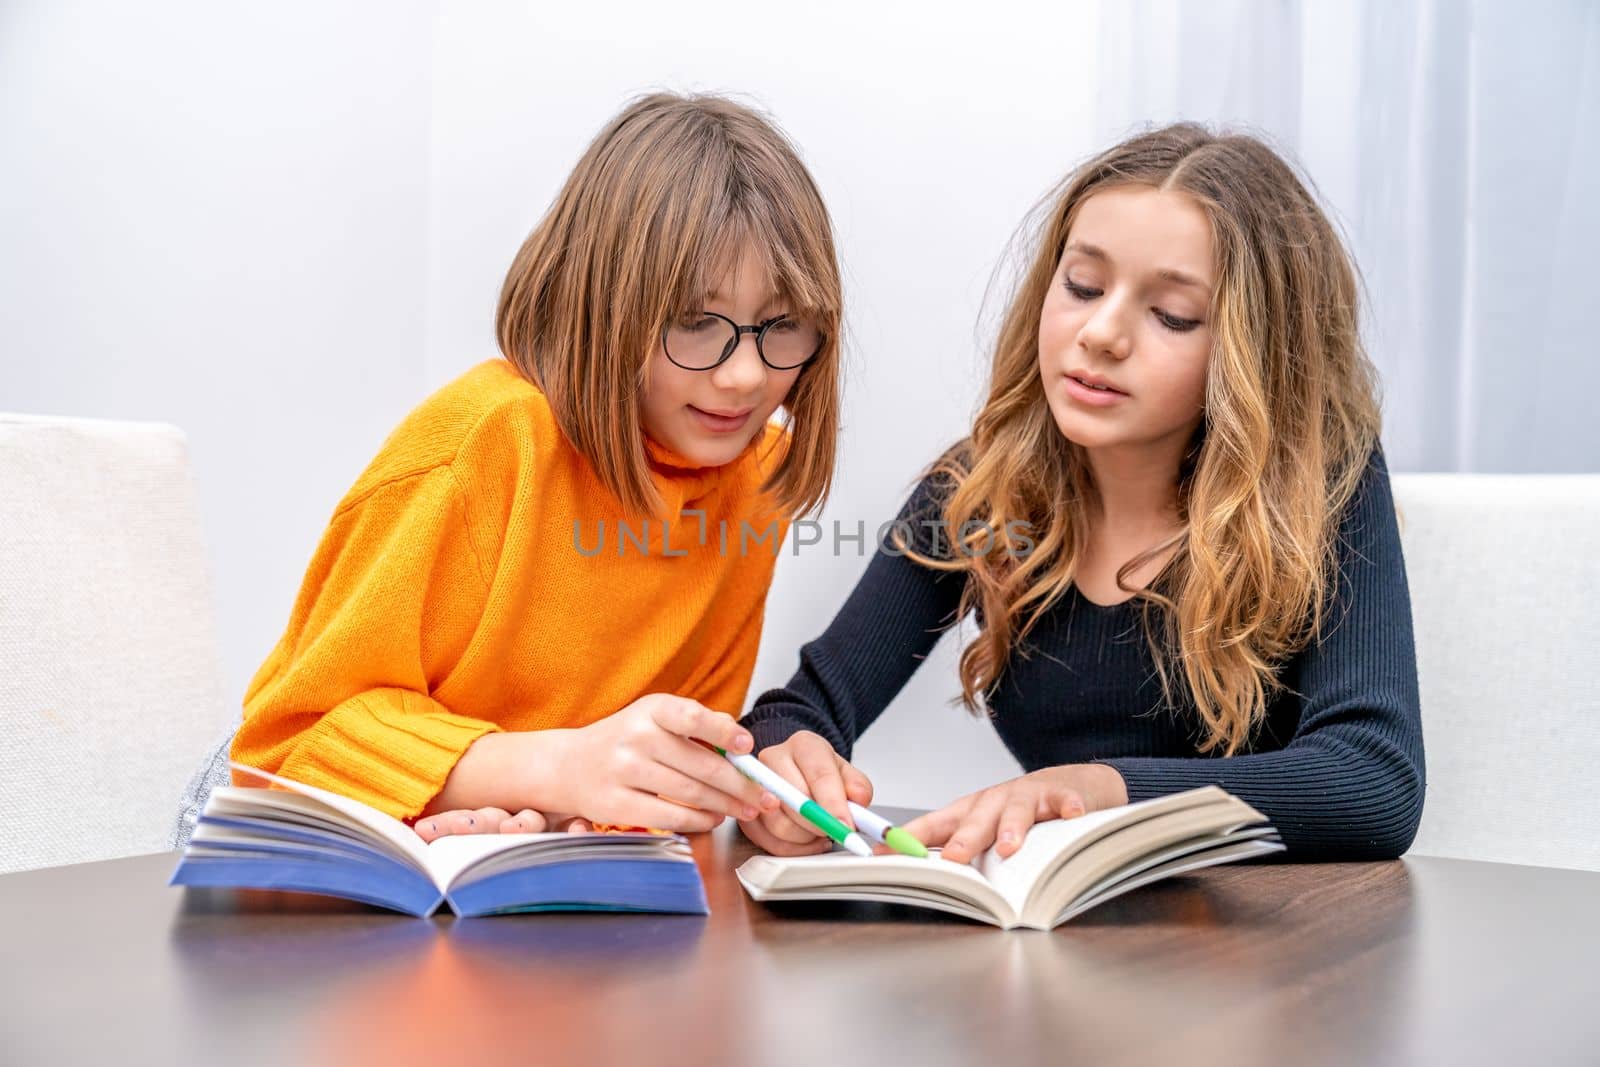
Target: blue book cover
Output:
[(294, 837)]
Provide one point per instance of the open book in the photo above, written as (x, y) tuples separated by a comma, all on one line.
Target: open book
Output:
[(309, 840), (1064, 867)]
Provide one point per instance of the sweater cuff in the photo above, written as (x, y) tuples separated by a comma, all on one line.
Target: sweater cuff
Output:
[(1149, 777), (391, 749), (771, 726)]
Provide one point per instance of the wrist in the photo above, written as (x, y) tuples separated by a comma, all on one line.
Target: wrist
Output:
[(1105, 785), (508, 770), (537, 769), (1100, 785)]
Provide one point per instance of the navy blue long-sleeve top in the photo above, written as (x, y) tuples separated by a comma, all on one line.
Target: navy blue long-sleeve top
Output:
[(1337, 764)]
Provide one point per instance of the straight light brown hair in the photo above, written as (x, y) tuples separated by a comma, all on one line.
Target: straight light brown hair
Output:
[(648, 222)]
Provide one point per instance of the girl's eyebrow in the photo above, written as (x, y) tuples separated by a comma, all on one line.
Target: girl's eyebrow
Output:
[(1177, 277)]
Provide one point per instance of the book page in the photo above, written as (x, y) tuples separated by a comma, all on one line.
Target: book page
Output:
[(1049, 844), (457, 858), (893, 879), (1124, 847), (1043, 844), (385, 828), (1183, 864)]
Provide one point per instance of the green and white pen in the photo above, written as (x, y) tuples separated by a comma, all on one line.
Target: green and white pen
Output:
[(798, 802), (882, 830)]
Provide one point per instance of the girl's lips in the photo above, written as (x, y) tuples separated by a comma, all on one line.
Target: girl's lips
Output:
[(721, 423), (1093, 397)]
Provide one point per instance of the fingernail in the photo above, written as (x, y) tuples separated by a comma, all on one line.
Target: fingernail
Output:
[(749, 812), (744, 742), (1007, 837)]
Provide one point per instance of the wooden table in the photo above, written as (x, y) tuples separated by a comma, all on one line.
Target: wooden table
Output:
[(1419, 961)]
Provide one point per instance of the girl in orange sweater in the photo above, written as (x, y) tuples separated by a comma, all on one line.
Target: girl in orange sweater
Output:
[(549, 584)]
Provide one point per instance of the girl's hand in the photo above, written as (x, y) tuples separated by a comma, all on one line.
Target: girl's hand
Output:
[(644, 766), (1001, 815), (495, 821), (807, 760)]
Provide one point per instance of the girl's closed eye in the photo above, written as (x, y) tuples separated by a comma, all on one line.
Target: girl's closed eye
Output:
[(1174, 323), (697, 321)]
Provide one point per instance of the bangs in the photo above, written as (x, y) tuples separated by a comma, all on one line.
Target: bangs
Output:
[(798, 264)]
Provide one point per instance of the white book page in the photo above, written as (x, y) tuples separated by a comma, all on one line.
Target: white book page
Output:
[(890, 878), (386, 828), (478, 855), (1183, 848), (285, 810), (1015, 876), (1046, 842), (1181, 865)]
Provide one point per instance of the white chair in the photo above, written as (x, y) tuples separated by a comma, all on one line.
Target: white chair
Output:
[(1504, 573), (110, 680)]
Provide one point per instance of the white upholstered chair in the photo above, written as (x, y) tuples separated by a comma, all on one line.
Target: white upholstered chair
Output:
[(1504, 573), (110, 681)]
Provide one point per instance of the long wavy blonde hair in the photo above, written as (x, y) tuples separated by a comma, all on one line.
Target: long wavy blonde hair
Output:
[(1291, 417)]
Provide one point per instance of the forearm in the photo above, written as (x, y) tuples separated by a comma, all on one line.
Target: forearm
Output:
[(1329, 801)]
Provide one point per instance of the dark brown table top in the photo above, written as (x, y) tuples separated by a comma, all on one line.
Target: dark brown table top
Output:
[(1418, 961)]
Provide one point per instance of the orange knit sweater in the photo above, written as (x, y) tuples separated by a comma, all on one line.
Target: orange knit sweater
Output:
[(455, 593)]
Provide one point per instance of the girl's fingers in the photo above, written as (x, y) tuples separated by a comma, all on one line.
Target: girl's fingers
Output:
[(781, 759), (526, 821), (935, 828), (1015, 818), (1068, 804), (690, 718), (666, 780), (976, 831), (461, 821), (763, 837), (703, 765), (780, 825), (819, 768), (644, 809)]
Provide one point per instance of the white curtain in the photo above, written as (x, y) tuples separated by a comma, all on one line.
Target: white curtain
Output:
[(1458, 145)]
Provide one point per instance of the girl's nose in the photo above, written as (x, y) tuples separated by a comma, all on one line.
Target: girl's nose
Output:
[(1106, 332), (742, 372)]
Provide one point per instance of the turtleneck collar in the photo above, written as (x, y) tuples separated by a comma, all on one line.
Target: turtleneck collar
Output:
[(681, 480)]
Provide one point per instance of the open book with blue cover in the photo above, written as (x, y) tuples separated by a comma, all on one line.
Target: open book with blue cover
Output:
[(304, 839)]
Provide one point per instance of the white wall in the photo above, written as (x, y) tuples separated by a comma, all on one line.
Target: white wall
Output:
[(216, 215)]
